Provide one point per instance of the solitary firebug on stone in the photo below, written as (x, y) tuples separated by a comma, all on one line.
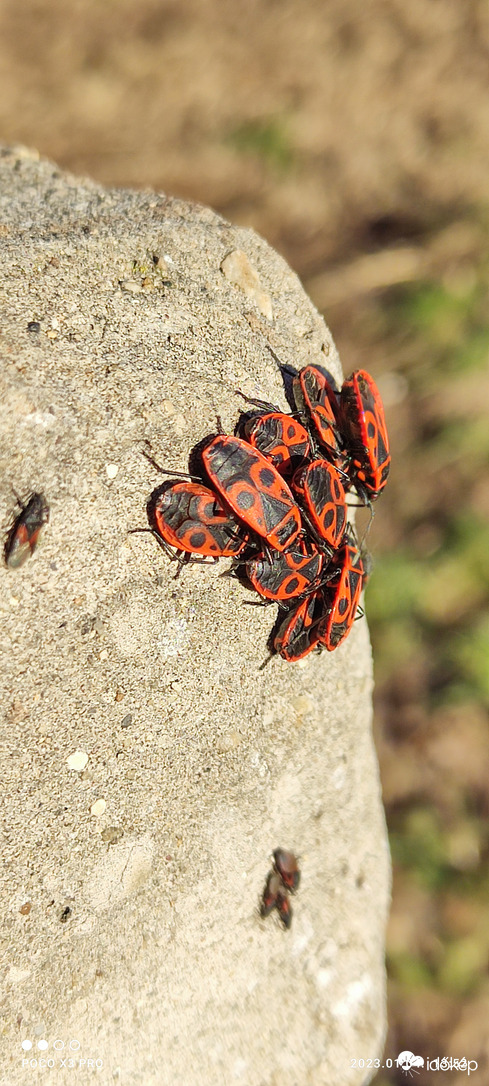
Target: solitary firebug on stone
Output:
[(23, 537)]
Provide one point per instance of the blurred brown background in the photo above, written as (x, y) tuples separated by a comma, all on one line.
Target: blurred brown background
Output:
[(355, 137)]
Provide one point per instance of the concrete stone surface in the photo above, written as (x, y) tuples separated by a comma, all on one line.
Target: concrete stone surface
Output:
[(149, 766)]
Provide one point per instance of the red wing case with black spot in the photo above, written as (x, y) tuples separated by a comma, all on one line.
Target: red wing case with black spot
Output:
[(253, 488), (322, 493), (279, 437), (283, 576)]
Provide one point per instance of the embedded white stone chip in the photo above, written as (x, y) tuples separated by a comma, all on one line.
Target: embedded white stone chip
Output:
[(77, 760)]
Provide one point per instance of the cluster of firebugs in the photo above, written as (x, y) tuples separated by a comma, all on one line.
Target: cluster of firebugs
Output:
[(275, 500), (273, 496)]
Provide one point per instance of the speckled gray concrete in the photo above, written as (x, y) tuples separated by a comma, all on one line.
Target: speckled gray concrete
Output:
[(199, 763)]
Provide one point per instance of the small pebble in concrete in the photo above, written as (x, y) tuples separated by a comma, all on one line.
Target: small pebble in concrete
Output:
[(77, 760), (98, 808), (132, 286), (239, 270), (111, 835)]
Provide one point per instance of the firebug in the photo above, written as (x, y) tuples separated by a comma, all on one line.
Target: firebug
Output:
[(192, 518), (280, 437), (322, 495), (253, 488), (275, 897), (316, 398), (362, 422), (284, 909), (273, 887), (341, 597), (286, 575), (287, 867), (23, 537), (297, 634)]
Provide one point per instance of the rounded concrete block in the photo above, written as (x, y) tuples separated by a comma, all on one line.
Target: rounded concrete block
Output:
[(150, 765)]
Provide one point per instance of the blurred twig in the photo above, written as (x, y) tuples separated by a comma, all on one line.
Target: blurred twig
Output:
[(375, 271), (453, 246)]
